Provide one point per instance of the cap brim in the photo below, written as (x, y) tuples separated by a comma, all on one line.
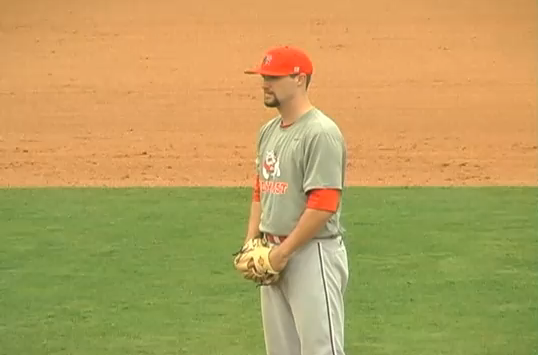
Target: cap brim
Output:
[(252, 71), (264, 72)]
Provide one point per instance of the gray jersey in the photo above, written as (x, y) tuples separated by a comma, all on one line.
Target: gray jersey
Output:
[(293, 160)]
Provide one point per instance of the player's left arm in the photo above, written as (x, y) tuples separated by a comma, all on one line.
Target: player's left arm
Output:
[(311, 221), (323, 184)]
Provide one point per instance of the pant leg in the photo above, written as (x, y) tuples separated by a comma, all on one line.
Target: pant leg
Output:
[(280, 333), (315, 286)]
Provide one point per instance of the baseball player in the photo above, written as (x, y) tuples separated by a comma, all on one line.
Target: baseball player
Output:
[(296, 206)]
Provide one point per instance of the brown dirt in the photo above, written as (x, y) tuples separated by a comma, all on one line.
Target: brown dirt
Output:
[(118, 93)]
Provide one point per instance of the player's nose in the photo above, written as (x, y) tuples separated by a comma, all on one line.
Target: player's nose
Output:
[(266, 84)]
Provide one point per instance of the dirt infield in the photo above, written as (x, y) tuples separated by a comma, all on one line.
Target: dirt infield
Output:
[(131, 92)]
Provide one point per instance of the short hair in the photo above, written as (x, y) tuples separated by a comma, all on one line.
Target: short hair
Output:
[(308, 79)]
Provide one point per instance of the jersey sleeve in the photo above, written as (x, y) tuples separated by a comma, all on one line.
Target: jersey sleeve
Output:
[(256, 193), (324, 199), (324, 162)]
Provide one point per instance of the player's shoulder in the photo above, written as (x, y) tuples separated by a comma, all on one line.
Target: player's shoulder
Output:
[(268, 127), (271, 124), (319, 123)]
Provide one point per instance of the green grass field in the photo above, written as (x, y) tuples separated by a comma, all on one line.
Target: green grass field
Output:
[(148, 271)]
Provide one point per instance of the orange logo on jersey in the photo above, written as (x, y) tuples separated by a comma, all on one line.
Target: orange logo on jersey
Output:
[(274, 187), (271, 169), (270, 166)]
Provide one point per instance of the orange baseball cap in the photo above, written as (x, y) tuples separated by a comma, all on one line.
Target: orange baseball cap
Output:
[(282, 61)]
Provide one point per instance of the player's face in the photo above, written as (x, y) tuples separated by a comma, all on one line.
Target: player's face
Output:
[(278, 90)]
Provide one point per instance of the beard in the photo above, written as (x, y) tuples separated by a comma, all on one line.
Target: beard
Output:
[(272, 101)]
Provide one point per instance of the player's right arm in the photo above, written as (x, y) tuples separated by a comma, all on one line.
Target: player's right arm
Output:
[(253, 228), (255, 212)]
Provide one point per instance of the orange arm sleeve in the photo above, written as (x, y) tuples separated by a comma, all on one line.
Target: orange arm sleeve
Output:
[(324, 199), (256, 192)]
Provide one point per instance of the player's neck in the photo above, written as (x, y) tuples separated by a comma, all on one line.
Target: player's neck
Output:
[(294, 110)]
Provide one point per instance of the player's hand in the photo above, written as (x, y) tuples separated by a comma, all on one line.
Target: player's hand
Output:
[(278, 259), (247, 238)]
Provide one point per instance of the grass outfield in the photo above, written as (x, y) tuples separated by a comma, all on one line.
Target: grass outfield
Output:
[(148, 271)]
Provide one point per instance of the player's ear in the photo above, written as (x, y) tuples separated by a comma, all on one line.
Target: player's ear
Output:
[(301, 80)]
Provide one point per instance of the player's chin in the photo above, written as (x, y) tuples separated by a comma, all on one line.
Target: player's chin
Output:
[(271, 102)]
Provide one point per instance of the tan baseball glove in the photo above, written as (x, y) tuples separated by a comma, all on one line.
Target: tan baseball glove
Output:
[(252, 261)]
